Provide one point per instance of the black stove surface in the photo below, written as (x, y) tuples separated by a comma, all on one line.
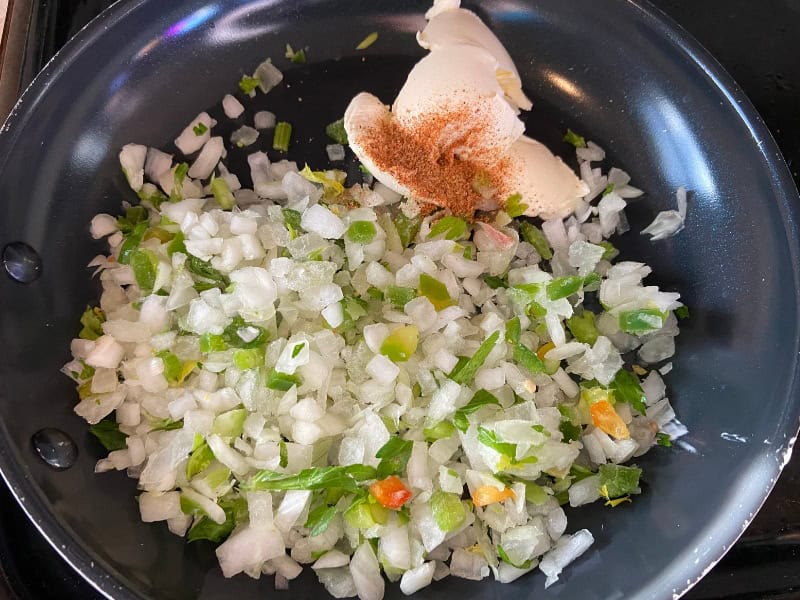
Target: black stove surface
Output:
[(759, 44)]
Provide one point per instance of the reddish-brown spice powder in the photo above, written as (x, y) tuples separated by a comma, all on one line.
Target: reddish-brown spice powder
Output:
[(453, 175)]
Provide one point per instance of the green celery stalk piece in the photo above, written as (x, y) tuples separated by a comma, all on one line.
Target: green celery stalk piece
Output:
[(222, 193)]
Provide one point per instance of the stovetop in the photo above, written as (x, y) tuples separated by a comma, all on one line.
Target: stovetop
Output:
[(758, 43)]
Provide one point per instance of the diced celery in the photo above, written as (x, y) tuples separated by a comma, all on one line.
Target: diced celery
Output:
[(222, 193)]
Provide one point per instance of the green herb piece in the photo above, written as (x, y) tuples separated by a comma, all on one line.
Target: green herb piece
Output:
[(107, 433), (400, 296), (210, 342), (394, 456), (541, 429), (583, 327), (682, 312), (578, 473), (177, 244), (534, 236), (361, 167), (403, 515), (230, 423), (479, 400), (569, 431), (222, 193), (298, 349), (535, 494), (291, 220), (641, 321), (92, 320), (200, 129), (401, 343), (617, 481), (298, 57), (535, 310), (346, 478), (336, 132), (153, 195), (361, 232), (291, 217), (488, 438), (166, 425), (663, 439), (591, 283), (367, 41), (374, 293), (573, 138), (611, 252), (448, 510), (465, 372), (563, 287), (199, 459), (231, 337), (283, 453), (206, 529), (608, 189), (248, 84), (514, 206), (319, 519), (440, 431), (495, 282), (131, 243), (452, 228), (282, 382), (172, 366), (178, 176), (133, 216), (282, 136), (504, 557), (331, 186), (87, 372), (203, 269), (527, 358), (627, 389), (407, 228)]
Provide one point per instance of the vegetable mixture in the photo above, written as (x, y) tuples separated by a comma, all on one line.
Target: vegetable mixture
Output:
[(313, 372)]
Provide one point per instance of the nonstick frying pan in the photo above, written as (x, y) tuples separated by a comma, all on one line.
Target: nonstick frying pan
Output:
[(618, 71)]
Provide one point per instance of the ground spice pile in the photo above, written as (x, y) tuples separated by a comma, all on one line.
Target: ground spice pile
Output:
[(440, 161)]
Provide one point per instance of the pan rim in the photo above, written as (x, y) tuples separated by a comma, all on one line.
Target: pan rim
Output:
[(109, 581)]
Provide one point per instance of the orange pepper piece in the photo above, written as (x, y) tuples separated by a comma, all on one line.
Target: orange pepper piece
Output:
[(544, 350), (390, 492), (606, 418), (488, 494)]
